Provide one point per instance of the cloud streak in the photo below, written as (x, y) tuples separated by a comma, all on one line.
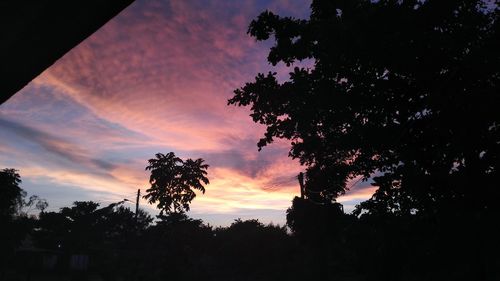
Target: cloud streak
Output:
[(60, 148)]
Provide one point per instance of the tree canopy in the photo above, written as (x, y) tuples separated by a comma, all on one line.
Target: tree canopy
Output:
[(406, 91), (84, 225), (173, 180)]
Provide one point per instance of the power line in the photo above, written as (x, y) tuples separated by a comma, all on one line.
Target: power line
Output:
[(280, 183)]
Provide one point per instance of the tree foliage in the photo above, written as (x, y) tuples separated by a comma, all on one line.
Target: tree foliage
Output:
[(405, 90), (84, 226), (173, 180), (11, 194)]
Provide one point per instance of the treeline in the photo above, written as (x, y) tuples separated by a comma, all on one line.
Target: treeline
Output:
[(319, 242), (114, 244)]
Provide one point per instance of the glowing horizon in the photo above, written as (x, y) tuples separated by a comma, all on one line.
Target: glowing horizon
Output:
[(156, 78)]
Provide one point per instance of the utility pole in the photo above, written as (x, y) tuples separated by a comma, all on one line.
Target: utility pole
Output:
[(137, 204), (301, 183)]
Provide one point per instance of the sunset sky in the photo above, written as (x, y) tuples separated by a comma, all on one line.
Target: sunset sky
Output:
[(156, 78)]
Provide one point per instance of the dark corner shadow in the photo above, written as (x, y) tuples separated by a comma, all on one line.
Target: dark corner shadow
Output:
[(37, 33)]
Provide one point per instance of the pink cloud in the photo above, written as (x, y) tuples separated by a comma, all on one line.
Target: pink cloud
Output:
[(157, 79)]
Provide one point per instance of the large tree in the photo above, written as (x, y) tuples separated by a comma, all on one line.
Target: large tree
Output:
[(173, 180), (404, 90)]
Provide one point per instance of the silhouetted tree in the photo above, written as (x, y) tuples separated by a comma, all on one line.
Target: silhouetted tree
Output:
[(173, 180), (11, 194), (73, 229), (109, 235), (84, 226), (406, 89), (11, 198), (122, 222), (402, 91), (15, 219), (34, 201)]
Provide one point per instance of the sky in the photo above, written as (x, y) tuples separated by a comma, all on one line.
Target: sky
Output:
[(156, 78)]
